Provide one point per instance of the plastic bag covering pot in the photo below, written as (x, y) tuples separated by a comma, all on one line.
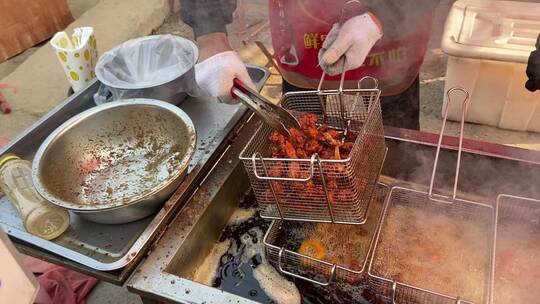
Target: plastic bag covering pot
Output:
[(158, 67)]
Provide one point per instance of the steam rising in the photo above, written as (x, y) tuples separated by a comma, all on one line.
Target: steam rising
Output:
[(481, 178)]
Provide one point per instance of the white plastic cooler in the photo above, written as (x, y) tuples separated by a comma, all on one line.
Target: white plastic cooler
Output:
[(488, 44)]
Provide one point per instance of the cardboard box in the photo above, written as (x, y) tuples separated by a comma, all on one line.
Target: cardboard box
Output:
[(25, 23)]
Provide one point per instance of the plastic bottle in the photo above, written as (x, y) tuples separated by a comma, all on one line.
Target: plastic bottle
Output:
[(40, 217)]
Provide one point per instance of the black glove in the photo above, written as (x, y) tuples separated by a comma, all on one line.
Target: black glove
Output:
[(533, 69)]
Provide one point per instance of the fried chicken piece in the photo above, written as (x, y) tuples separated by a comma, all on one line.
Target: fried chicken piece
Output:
[(337, 155), (278, 188), (313, 190), (324, 141), (277, 138), (312, 146), (301, 153), (288, 150), (298, 187), (345, 149), (338, 196), (327, 154), (330, 140), (313, 133), (308, 120), (331, 183), (351, 136), (297, 137), (276, 170), (310, 186), (333, 133), (294, 170)]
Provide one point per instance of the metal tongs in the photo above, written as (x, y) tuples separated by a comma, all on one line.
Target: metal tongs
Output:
[(277, 117)]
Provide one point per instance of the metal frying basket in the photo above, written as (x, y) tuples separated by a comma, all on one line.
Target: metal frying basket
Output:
[(511, 209), (479, 214), (315, 189), (322, 271)]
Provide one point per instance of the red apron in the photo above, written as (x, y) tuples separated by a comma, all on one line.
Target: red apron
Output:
[(300, 26)]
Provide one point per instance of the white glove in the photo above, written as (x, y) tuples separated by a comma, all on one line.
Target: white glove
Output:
[(352, 41), (215, 75)]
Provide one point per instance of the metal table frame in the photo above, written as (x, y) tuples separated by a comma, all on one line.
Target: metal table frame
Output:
[(202, 164)]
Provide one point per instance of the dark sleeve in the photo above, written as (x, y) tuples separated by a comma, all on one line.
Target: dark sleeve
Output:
[(396, 16), (533, 69), (207, 16)]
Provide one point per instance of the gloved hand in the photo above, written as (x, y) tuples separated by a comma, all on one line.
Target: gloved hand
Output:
[(215, 75), (533, 69), (353, 41)]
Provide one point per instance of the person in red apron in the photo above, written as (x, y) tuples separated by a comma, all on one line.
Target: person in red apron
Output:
[(385, 39)]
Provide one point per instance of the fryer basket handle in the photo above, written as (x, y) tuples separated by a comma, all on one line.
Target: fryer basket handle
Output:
[(258, 156), (280, 266), (372, 79), (394, 294), (460, 147)]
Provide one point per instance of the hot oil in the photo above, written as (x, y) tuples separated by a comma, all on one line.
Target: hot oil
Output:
[(517, 262), (346, 246), (336, 293), (244, 270), (235, 274)]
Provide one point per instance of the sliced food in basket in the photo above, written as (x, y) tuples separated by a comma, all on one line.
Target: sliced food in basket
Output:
[(433, 250), (312, 248), (342, 245)]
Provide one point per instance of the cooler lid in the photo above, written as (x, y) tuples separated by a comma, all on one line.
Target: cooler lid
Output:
[(495, 30)]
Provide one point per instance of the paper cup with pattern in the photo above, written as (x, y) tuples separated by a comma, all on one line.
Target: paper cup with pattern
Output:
[(77, 55)]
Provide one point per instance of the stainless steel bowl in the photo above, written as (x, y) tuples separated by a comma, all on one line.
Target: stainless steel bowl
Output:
[(117, 162)]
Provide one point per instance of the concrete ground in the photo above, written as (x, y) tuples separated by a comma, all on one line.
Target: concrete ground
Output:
[(40, 80), (42, 84), (106, 293), (77, 7)]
